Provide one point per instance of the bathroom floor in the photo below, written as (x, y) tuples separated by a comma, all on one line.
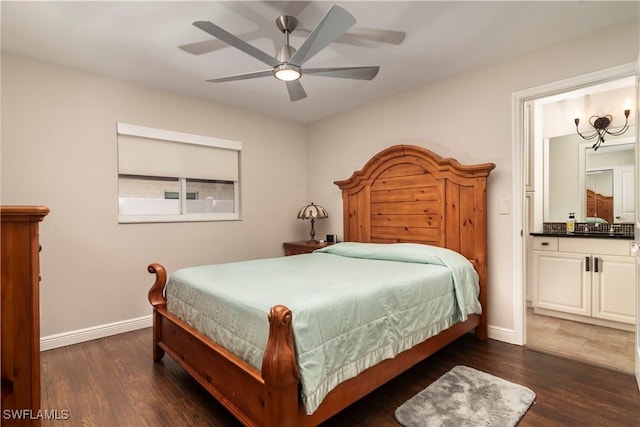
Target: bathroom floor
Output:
[(599, 345)]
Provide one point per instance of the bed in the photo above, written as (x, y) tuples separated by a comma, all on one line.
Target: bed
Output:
[(404, 197)]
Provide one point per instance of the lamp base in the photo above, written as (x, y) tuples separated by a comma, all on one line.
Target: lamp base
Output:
[(312, 233)]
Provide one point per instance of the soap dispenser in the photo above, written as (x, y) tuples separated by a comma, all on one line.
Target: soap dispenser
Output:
[(571, 223)]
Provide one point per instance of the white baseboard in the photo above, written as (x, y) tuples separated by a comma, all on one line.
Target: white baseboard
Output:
[(87, 334), (502, 334)]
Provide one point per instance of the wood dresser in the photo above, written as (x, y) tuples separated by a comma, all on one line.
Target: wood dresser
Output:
[(20, 315)]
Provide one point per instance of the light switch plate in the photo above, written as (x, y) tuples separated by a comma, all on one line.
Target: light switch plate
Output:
[(504, 207)]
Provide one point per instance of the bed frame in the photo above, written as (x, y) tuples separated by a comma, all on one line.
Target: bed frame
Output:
[(403, 194)]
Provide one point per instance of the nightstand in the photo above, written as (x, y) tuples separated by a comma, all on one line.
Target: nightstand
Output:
[(297, 248)]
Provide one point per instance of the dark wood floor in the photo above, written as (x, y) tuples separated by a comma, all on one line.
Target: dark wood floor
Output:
[(113, 382)]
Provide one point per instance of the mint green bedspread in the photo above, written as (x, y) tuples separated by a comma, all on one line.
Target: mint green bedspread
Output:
[(353, 305)]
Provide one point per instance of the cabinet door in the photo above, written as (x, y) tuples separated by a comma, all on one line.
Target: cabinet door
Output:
[(562, 282), (614, 289)]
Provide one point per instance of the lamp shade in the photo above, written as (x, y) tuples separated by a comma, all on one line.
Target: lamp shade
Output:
[(312, 211)]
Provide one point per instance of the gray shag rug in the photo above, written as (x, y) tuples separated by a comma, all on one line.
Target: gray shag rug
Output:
[(466, 397)]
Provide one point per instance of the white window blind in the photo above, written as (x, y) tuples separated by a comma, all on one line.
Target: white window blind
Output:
[(152, 157), (156, 152)]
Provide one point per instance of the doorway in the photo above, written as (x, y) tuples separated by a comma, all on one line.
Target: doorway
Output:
[(538, 331)]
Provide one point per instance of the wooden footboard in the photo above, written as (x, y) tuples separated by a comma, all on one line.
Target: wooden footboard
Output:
[(270, 398)]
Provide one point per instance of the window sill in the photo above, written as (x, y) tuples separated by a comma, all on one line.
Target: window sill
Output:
[(196, 217)]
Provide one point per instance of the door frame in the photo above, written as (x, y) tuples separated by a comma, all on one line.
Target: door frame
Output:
[(637, 227), (522, 131)]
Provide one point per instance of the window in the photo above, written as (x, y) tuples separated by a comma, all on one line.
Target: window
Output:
[(166, 176)]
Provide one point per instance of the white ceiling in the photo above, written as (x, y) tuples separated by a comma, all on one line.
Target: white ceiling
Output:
[(139, 41)]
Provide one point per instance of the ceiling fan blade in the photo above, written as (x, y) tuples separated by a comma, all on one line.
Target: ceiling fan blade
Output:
[(373, 35), (296, 91), (236, 42), (206, 46), (245, 76), (367, 37), (333, 25), (358, 73)]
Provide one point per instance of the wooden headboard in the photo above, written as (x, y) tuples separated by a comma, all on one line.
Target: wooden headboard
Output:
[(406, 193)]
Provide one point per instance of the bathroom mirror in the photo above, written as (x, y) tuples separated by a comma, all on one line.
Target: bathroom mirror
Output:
[(572, 168)]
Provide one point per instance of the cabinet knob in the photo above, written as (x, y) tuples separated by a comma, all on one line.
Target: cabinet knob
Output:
[(587, 263), (544, 243)]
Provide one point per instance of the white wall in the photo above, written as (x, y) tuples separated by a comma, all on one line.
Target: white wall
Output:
[(468, 117), (59, 150)]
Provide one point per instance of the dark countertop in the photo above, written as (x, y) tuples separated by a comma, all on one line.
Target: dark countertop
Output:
[(591, 235)]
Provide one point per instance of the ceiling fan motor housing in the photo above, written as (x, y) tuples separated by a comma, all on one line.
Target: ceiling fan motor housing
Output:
[(285, 71), (285, 53)]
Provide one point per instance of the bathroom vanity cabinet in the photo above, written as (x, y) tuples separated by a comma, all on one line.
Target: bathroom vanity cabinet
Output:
[(585, 279)]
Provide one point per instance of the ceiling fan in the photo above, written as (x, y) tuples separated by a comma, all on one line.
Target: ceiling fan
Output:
[(287, 64), (357, 36)]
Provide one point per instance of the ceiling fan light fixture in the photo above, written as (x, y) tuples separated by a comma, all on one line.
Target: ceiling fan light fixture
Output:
[(287, 72)]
